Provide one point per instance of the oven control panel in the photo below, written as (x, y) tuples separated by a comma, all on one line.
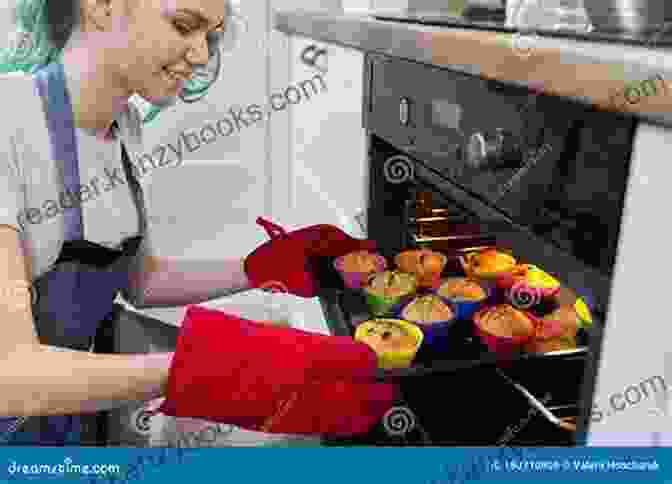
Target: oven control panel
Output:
[(551, 165), (465, 126)]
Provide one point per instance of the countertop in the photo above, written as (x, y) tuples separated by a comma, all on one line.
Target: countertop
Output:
[(608, 75)]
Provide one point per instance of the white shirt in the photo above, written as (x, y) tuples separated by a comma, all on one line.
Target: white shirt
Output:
[(31, 182)]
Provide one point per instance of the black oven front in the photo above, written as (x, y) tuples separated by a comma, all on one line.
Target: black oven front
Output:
[(456, 163)]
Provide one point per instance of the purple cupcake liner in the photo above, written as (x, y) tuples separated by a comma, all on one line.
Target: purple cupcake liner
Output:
[(357, 280)]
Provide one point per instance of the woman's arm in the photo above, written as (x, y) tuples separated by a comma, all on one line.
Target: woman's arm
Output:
[(157, 281), (40, 380), (44, 380)]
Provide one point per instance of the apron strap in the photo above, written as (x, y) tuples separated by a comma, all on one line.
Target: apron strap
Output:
[(136, 188), (101, 257), (51, 85)]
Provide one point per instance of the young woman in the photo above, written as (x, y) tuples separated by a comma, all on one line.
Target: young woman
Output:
[(72, 237)]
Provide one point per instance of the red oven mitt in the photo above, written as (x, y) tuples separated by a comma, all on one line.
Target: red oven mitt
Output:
[(273, 379), (283, 263)]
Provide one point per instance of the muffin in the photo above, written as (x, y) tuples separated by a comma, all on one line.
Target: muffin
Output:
[(461, 289), (466, 295), (388, 289), (426, 264), (568, 319), (557, 332), (395, 342), (504, 321), (489, 263), (527, 285), (356, 267), (538, 345), (359, 261), (427, 310), (435, 317)]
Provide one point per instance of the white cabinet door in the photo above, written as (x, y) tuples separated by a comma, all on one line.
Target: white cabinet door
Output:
[(327, 149)]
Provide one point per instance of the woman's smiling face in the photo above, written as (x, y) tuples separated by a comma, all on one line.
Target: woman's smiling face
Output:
[(155, 43)]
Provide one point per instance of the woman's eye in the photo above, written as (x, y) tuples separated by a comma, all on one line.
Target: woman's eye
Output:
[(182, 28)]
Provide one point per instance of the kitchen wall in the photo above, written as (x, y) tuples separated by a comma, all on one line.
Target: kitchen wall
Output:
[(221, 183)]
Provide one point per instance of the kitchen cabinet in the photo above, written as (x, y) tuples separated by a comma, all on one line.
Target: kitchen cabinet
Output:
[(325, 170)]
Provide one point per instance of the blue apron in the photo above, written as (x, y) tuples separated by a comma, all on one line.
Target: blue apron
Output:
[(78, 293)]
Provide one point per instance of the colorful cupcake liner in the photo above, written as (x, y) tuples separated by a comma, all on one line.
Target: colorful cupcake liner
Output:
[(354, 279), (395, 359), (466, 309), (435, 333)]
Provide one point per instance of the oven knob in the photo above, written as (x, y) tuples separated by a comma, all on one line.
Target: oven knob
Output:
[(491, 150)]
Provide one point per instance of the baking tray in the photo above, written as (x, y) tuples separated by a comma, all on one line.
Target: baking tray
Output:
[(476, 407), (479, 404), (344, 309)]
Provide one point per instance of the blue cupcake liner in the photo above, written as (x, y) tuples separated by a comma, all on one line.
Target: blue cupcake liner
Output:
[(464, 310), (435, 334)]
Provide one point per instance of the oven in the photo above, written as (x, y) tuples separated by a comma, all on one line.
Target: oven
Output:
[(458, 164)]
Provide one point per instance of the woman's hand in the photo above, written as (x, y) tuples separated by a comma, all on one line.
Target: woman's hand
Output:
[(284, 261), (273, 379)]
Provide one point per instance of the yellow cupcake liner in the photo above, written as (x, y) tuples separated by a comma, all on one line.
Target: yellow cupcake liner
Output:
[(583, 313), (537, 278), (393, 359)]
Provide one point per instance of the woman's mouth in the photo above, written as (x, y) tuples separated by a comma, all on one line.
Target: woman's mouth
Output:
[(171, 76)]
